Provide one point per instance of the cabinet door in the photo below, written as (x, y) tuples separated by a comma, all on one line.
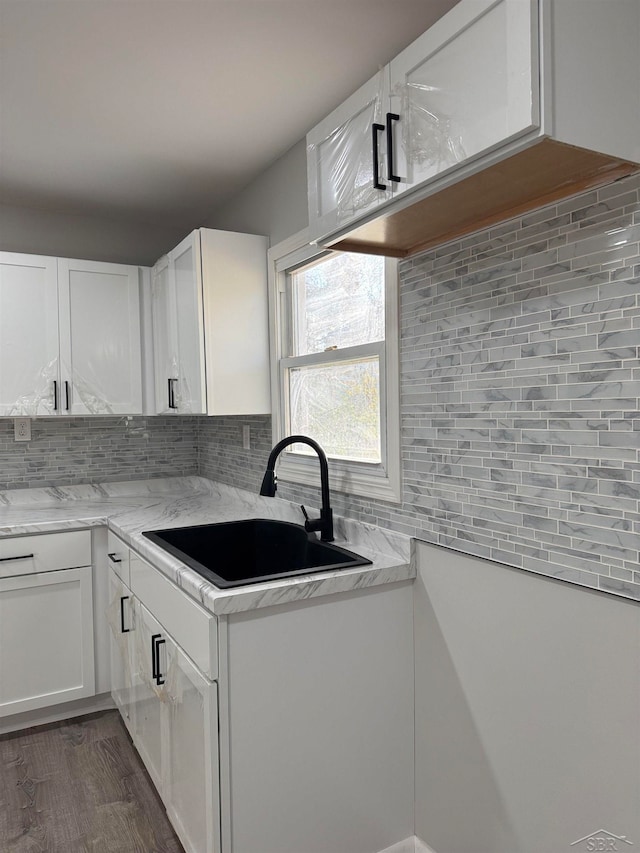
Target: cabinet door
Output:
[(469, 84), (191, 789), (28, 334), (189, 393), (120, 616), (165, 337), (46, 639), (100, 344), (147, 694), (341, 155)]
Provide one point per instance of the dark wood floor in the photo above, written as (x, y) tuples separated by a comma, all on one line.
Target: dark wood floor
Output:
[(79, 787)]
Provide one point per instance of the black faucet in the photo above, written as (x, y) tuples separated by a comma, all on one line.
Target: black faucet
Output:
[(270, 483)]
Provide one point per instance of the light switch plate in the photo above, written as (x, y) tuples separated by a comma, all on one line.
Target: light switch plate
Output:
[(22, 429), (246, 437)]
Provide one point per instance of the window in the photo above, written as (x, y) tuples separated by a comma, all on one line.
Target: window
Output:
[(335, 365)]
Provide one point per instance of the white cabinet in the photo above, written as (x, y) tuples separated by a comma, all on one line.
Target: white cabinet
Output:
[(470, 83), (178, 330), (100, 349), (147, 693), (167, 702), (121, 646), (70, 340), (28, 334), (210, 325), (346, 153), (487, 114), (191, 786), (46, 622)]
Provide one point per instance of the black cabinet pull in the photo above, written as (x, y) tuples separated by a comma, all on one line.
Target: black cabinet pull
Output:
[(156, 642), (172, 395), (375, 130), (66, 395), (154, 659), (390, 166), (55, 396), (123, 630), (114, 558), (21, 557)]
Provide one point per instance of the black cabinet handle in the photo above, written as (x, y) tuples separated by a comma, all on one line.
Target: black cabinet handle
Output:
[(21, 557), (391, 117), (123, 630), (55, 396), (172, 394), (375, 130), (154, 660), (114, 558), (156, 642), (66, 395)]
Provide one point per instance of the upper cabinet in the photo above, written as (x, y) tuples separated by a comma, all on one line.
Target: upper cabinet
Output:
[(99, 338), (70, 340), (176, 287), (210, 325), (501, 106), (469, 84), (345, 153)]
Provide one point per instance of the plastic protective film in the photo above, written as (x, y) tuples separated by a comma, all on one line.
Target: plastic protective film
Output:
[(171, 690), (93, 399), (41, 400), (427, 134), (344, 161)]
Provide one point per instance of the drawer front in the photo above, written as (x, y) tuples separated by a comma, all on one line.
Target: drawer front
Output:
[(118, 556), (27, 555), (190, 625)]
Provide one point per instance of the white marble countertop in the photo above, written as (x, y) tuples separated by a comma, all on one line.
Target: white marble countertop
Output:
[(129, 508)]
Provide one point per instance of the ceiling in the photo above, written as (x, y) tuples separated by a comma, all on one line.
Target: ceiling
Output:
[(159, 110)]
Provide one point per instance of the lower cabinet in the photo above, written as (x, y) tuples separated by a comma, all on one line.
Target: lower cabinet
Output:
[(120, 616), (171, 710), (46, 621)]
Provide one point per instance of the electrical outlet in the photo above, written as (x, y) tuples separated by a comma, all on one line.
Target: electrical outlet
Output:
[(22, 429), (246, 437)]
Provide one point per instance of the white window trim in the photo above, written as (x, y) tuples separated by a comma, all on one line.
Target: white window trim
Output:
[(383, 483)]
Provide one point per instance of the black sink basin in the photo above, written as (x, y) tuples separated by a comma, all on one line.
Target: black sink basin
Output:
[(235, 553)]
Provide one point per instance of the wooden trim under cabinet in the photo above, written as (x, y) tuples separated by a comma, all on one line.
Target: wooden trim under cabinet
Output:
[(544, 173)]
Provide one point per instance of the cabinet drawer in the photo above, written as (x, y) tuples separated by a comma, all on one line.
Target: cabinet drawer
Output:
[(118, 556), (190, 625), (27, 555)]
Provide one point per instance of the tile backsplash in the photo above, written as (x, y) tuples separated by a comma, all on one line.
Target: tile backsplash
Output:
[(69, 451), (520, 387)]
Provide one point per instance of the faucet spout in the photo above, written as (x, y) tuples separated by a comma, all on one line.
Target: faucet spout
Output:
[(324, 524)]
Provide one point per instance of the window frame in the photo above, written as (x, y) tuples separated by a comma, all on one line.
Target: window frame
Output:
[(379, 481)]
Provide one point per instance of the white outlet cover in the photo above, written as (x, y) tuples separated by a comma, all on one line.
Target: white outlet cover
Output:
[(22, 429)]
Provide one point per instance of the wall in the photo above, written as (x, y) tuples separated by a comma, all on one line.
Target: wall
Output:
[(520, 386), (527, 708), (65, 235), (68, 451), (274, 204)]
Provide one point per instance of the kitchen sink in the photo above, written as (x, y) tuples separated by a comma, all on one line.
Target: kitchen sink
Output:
[(235, 553)]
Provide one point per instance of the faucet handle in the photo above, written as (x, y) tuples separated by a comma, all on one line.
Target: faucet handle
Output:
[(304, 512)]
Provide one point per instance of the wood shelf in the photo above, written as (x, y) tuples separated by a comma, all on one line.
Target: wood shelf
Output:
[(544, 173)]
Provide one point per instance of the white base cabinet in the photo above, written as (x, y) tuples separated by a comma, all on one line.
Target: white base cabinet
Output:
[(120, 616), (46, 621), (305, 740), (169, 706)]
